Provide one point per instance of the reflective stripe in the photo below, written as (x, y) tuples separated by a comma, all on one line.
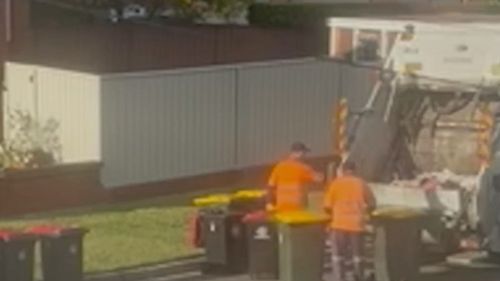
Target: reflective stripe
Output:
[(349, 214), (289, 197)]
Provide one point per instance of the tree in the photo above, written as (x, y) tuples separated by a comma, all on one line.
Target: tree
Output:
[(201, 9)]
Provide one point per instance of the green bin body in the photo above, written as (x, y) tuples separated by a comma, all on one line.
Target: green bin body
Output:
[(397, 248), (17, 258), (301, 251)]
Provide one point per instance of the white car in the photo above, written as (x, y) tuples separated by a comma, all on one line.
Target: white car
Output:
[(134, 11)]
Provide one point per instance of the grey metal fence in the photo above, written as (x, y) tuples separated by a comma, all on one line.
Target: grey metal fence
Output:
[(158, 125)]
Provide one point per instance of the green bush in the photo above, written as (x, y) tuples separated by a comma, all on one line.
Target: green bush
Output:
[(283, 15)]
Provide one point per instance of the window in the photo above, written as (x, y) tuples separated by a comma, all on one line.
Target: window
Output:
[(368, 49)]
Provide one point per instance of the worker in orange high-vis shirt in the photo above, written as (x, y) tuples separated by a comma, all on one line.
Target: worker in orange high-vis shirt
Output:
[(348, 201), (287, 185)]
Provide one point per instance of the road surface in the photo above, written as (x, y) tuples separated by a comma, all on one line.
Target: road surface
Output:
[(437, 272)]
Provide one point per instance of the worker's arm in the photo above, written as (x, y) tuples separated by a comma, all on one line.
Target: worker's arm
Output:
[(271, 195), (317, 177), (310, 175), (271, 187)]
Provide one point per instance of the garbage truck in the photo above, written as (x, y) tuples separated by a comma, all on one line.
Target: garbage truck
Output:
[(433, 107)]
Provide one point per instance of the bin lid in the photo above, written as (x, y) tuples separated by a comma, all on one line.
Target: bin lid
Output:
[(249, 194), (258, 216), (394, 212), (6, 235), (9, 235), (300, 217), (54, 230), (214, 199)]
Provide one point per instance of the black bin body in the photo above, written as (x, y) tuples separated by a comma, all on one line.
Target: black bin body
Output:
[(17, 257), (397, 248), (263, 260), (62, 255), (240, 207), (224, 238)]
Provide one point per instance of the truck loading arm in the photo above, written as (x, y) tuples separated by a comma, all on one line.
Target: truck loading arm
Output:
[(392, 119)]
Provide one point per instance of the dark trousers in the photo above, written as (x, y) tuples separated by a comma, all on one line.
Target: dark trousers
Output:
[(347, 255)]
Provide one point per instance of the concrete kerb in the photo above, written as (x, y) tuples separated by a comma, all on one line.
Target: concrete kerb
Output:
[(188, 265)]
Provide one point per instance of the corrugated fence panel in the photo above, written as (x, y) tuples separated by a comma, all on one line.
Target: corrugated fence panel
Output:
[(158, 126), (68, 98), (282, 103), (19, 94), (72, 100), (154, 126)]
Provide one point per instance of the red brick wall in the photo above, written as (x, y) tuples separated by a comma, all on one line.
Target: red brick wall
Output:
[(78, 185), (48, 189), (132, 47), (343, 44)]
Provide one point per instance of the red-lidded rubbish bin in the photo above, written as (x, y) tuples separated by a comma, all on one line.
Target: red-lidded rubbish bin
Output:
[(262, 235), (16, 256), (61, 251)]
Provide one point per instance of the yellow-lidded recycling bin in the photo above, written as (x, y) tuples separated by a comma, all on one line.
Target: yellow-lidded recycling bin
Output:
[(301, 245), (213, 200), (397, 243)]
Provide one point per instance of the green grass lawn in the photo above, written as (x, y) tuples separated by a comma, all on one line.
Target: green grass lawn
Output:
[(125, 235)]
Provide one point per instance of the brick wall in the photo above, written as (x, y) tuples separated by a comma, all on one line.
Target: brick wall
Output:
[(135, 47)]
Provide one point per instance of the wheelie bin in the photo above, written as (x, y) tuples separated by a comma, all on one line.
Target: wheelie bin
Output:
[(16, 256), (301, 237), (248, 201), (242, 201), (61, 252), (262, 246), (223, 233), (397, 243), (225, 242)]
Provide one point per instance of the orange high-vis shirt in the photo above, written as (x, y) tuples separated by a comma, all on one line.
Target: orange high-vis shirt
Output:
[(289, 177), (346, 198)]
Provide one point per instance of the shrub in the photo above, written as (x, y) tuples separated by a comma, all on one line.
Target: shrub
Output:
[(29, 144), (299, 15), (200, 9)]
